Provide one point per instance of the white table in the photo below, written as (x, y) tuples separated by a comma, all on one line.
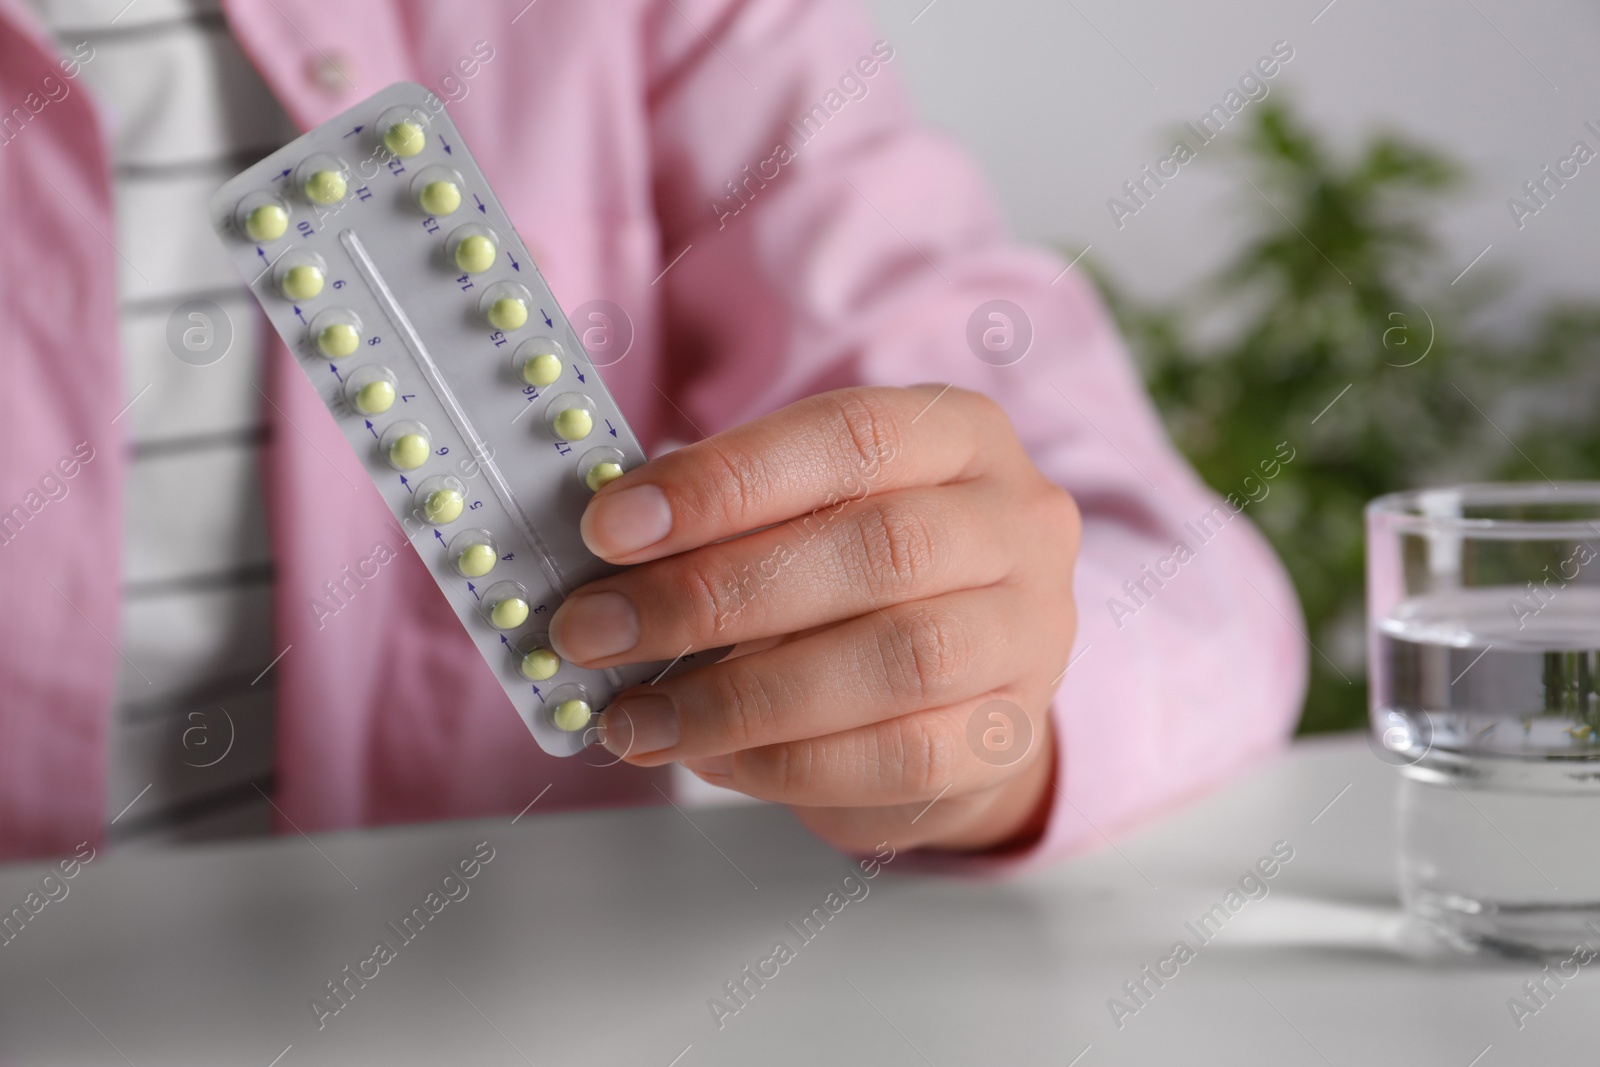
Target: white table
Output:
[(599, 938)]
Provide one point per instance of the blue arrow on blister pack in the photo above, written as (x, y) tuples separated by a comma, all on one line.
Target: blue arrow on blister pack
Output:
[(406, 484), (369, 427), (546, 315), (263, 256), (581, 378), (446, 145), (479, 203), (439, 535), (611, 428), (514, 264), (336, 373), (353, 132), (474, 591), (299, 316)]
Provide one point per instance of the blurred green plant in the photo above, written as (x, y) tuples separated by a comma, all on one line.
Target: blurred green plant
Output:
[(1336, 329)]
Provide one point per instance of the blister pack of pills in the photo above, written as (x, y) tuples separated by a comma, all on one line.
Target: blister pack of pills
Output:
[(384, 260)]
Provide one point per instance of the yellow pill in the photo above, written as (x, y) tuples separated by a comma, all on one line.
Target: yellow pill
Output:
[(442, 506), (405, 139), (302, 282), (509, 613), (338, 340), (571, 715), (574, 424), (475, 254), (440, 198), (326, 187), (601, 473), (409, 452), (267, 222), (508, 313), (540, 665), (476, 560), (542, 369), (375, 398)]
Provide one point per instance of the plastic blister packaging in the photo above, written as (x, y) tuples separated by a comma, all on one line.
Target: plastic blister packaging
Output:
[(386, 263)]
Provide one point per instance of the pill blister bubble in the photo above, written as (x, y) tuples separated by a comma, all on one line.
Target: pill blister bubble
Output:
[(570, 417), (598, 466), (539, 361), (323, 179), (473, 249), (534, 659), (406, 445), (570, 707), (262, 217), (441, 500), (403, 130), (336, 333), (371, 389), (438, 190), (299, 275), (473, 553), (506, 306), (505, 605)]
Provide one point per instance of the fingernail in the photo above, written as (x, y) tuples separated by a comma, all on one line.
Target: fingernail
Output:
[(594, 626), (639, 725), (711, 766), (626, 521)]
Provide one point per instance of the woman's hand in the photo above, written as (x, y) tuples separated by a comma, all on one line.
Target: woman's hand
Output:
[(903, 611)]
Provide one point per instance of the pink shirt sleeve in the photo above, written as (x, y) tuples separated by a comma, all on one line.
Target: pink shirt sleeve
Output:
[(831, 240)]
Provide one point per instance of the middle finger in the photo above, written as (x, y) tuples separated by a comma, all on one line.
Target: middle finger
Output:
[(832, 564)]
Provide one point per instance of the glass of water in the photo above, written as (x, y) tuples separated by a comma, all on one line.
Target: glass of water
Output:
[(1483, 607)]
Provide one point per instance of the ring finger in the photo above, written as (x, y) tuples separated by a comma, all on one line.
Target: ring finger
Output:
[(877, 666)]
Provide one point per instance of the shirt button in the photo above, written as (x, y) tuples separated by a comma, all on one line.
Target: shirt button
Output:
[(332, 71)]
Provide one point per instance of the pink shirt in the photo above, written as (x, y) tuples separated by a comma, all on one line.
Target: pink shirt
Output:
[(613, 133)]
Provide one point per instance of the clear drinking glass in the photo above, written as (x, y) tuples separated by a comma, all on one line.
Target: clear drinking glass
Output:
[(1483, 606)]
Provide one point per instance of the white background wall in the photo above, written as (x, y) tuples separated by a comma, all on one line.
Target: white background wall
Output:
[(1064, 101)]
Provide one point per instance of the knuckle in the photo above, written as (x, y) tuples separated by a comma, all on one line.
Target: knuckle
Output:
[(869, 427), (1064, 510), (981, 409), (924, 653), (897, 546), (1056, 515), (928, 757), (733, 490), (712, 599), (983, 405), (995, 428), (745, 705), (791, 770)]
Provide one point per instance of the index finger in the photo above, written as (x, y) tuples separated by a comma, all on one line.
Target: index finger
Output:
[(818, 453)]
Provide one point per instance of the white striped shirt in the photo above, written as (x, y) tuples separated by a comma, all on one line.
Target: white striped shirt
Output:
[(191, 749)]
